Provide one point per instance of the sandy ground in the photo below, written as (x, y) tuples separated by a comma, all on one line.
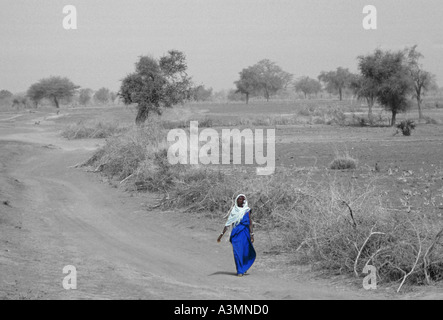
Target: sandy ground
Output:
[(52, 216)]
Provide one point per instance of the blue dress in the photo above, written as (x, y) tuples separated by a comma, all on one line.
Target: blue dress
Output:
[(244, 253)]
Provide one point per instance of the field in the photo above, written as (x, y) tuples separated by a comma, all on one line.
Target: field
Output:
[(404, 164), (396, 174)]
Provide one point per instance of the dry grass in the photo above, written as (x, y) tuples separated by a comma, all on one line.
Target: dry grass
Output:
[(92, 130), (343, 162), (336, 225)]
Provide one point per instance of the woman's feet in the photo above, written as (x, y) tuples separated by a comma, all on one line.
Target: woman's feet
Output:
[(239, 275)]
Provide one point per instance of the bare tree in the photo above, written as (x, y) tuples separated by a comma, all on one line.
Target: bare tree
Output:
[(423, 80)]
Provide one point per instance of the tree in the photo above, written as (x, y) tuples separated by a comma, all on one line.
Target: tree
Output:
[(308, 86), (248, 82), (271, 78), (265, 77), (156, 84), (113, 96), (336, 81), (365, 88), (423, 80), (200, 93), (53, 88), (20, 99), (5, 94), (84, 96), (388, 72), (102, 95), (5, 97)]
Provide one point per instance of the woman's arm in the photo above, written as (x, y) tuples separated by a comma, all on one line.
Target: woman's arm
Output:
[(222, 233)]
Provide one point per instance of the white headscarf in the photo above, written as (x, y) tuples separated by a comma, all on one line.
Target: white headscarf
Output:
[(237, 213)]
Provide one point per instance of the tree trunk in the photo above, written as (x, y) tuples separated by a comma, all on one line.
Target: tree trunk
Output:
[(142, 115), (370, 105), (56, 102), (340, 93), (420, 113), (247, 98), (394, 115)]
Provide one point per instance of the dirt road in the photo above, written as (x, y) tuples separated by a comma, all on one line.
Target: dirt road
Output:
[(57, 216)]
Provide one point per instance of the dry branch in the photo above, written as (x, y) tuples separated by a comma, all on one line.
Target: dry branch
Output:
[(416, 260), (362, 247), (426, 262)]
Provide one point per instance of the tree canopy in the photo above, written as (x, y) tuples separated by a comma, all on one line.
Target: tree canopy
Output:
[(53, 88), (388, 72), (5, 94), (307, 85), (336, 81), (103, 95), (248, 82), (200, 93), (156, 84), (84, 96), (365, 88), (265, 77)]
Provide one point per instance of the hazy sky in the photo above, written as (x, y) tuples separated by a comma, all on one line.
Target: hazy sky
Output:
[(219, 37)]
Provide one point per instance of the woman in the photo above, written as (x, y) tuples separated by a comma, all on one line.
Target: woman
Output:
[(242, 236)]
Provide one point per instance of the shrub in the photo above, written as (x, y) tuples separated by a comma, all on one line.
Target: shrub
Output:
[(359, 121), (305, 111), (345, 228), (343, 162), (205, 123), (406, 126), (154, 173), (318, 120), (430, 120), (336, 116), (122, 155)]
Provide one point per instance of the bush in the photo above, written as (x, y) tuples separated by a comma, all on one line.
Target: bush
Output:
[(318, 120), (335, 116), (360, 121), (205, 123), (123, 154), (430, 120), (305, 111), (346, 228), (406, 126), (154, 172), (343, 162)]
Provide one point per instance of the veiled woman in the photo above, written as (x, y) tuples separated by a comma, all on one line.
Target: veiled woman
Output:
[(242, 235)]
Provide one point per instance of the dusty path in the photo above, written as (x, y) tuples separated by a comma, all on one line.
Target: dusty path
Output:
[(58, 216)]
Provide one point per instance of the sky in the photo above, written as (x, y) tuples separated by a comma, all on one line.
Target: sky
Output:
[(219, 37)]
